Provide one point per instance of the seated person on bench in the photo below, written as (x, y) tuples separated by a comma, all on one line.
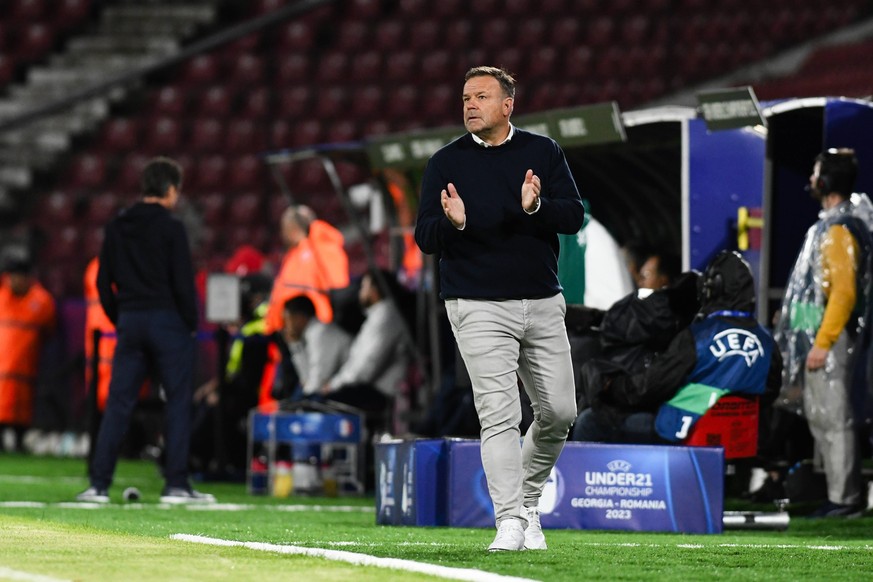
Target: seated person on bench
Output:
[(723, 351)]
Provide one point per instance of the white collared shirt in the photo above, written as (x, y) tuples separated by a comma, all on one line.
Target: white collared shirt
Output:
[(485, 144)]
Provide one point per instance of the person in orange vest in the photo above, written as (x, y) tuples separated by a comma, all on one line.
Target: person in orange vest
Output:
[(27, 316), (315, 263), (96, 320)]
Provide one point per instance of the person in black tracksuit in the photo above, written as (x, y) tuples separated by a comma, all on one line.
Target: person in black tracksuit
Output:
[(146, 287)]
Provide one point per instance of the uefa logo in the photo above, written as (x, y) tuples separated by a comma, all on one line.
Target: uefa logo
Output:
[(553, 492)]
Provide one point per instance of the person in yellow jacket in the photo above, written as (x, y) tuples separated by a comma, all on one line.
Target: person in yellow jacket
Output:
[(27, 316), (821, 328)]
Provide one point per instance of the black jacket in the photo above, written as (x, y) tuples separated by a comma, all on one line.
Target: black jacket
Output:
[(145, 263)]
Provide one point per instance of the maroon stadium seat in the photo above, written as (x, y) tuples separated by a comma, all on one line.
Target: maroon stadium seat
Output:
[(120, 134), (101, 208), (70, 13), (401, 66), (427, 34), (256, 104), (292, 69), (496, 33), (307, 133), (244, 136), (201, 70), (55, 208), (531, 33), (246, 70), (368, 102), (34, 41), (127, 180), (245, 173), (333, 67), (207, 135), (26, 10), (169, 100), (341, 131), (295, 37), (352, 35), (390, 35), (366, 67), (212, 208), (246, 209), (331, 102), (458, 34), (214, 101), (86, 171)]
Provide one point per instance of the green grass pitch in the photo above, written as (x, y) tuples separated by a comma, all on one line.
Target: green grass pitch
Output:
[(44, 537)]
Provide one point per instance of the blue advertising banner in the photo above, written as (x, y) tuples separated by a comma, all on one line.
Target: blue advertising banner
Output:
[(593, 486), (314, 427)]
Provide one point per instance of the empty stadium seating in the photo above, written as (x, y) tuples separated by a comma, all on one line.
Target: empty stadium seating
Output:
[(351, 69)]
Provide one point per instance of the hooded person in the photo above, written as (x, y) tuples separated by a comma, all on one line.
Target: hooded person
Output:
[(724, 350)]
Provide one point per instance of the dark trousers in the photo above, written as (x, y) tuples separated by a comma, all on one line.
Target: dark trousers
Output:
[(161, 338)]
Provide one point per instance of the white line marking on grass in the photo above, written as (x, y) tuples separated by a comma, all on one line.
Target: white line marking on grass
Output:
[(359, 559), (10, 574), (867, 547), (39, 479), (194, 507)]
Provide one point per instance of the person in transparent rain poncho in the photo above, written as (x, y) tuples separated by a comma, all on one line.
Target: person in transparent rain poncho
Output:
[(823, 326)]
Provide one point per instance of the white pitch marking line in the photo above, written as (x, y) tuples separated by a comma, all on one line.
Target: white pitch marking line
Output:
[(18, 575), (730, 545), (193, 507), (360, 559)]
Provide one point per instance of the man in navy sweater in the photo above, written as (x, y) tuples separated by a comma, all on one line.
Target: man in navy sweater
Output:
[(146, 287), (492, 205)]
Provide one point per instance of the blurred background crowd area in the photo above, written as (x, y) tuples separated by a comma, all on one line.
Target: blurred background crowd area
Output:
[(91, 89)]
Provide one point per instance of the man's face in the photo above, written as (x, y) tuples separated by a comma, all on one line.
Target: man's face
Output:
[(19, 283), (814, 189), (486, 107), (367, 292), (295, 324), (650, 276), (292, 234)]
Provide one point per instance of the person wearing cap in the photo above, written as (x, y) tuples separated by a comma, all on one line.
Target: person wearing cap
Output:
[(27, 317)]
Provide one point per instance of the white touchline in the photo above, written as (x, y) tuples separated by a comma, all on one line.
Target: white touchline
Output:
[(359, 559), (866, 547), (194, 507), (18, 575)]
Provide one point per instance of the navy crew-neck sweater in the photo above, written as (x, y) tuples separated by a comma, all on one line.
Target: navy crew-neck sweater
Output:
[(503, 252)]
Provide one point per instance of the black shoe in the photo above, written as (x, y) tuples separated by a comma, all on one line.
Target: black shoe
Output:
[(93, 495), (179, 496), (769, 491), (830, 509)]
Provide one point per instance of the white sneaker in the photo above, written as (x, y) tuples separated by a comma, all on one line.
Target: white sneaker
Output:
[(180, 496), (93, 495), (533, 535), (510, 536)]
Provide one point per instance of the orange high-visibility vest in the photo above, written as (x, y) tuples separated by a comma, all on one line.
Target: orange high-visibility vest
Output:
[(312, 268), (24, 323)]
